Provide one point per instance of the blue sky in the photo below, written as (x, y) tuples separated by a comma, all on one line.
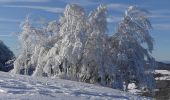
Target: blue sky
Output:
[(13, 12)]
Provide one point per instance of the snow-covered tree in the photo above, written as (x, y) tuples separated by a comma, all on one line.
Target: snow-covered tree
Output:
[(31, 38), (70, 44), (132, 45), (77, 47), (96, 62)]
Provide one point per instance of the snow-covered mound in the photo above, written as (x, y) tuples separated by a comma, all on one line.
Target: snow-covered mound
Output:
[(18, 87), (162, 74), (5, 55)]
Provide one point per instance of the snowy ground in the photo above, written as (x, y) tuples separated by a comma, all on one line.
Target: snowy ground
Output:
[(17, 87), (165, 74)]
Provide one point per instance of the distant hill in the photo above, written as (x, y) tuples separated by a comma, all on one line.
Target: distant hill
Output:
[(5, 55), (163, 66), (166, 62)]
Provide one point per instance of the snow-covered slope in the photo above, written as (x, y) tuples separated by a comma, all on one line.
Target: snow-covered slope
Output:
[(16, 87), (164, 74)]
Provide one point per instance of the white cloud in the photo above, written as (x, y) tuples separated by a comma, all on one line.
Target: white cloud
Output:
[(5, 35), (45, 8), (163, 13), (81, 2), (162, 26), (159, 16), (9, 1), (113, 19), (116, 6), (10, 20)]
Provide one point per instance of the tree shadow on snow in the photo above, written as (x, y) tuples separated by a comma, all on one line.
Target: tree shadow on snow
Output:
[(88, 93)]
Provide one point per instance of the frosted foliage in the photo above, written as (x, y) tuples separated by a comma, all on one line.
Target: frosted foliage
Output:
[(74, 35), (135, 63), (77, 47), (53, 27), (136, 22)]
